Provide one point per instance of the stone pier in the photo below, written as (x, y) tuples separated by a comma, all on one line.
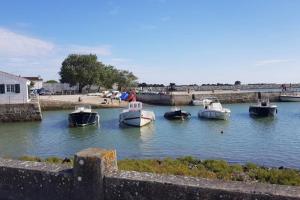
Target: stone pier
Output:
[(20, 112), (184, 98)]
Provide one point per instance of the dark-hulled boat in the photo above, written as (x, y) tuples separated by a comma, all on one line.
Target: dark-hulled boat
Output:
[(83, 116), (263, 109), (177, 114)]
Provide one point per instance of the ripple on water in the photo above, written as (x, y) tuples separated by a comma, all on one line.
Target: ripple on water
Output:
[(272, 142)]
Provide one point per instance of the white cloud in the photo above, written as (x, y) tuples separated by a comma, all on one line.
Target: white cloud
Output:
[(15, 45), (273, 62), (27, 55)]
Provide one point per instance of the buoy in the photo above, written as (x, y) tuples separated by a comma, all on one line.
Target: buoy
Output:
[(222, 132)]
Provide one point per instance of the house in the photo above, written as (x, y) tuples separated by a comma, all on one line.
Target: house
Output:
[(36, 82), (13, 89)]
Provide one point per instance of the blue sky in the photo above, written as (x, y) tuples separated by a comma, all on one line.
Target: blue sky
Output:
[(161, 41)]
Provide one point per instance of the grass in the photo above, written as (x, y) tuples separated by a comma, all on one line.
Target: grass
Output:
[(211, 169), (214, 169)]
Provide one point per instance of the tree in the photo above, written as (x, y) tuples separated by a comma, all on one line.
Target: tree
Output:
[(31, 84), (126, 79), (85, 70), (237, 83), (80, 69), (51, 81)]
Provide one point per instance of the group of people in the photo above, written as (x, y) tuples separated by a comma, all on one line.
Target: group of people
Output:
[(284, 87)]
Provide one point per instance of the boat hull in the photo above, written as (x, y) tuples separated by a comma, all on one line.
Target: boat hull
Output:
[(81, 119), (213, 114), (289, 98), (177, 115), (197, 103), (136, 118), (262, 111)]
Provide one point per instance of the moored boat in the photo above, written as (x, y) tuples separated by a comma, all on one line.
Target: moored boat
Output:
[(83, 116), (290, 97), (177, 114), (212, 109), (263, 109), (135, 115), (197, 102)]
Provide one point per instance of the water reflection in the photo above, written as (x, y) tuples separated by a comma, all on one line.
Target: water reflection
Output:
[(83, 132), (271, 141)]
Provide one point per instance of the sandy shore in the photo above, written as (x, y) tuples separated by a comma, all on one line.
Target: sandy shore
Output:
[(60, 102)]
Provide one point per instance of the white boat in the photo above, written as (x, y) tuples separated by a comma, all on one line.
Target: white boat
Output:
[(212, 109), (135, 115), (290, 97), (197, 102)]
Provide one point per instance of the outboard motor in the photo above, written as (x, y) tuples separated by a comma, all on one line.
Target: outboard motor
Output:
[(259, 95)]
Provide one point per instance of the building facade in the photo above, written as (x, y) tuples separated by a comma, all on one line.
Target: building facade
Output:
[(13, 89)]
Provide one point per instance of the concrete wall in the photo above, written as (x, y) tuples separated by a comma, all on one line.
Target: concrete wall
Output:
[(95, 176), (20, 112), (186, 99), (223, 87), (157, 99)]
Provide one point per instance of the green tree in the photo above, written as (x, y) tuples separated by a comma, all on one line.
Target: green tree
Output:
[(237, 83), (51, 81), (85, 70), (31, 84), (79, 69), (126, 79)]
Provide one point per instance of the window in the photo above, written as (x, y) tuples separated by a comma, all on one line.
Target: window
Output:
[(10, 88)]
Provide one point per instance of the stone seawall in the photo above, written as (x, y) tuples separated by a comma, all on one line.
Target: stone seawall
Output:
[(95, 175), (20, 112), (224, 97)]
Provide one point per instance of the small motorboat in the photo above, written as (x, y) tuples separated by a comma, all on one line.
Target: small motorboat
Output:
[(290, 97), (83, 116), (135, 115), (197, 102), (212, 109), (176, 114), (263, 109)]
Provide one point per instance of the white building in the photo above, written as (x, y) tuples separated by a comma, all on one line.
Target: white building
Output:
[(13, 89), (37, 82)]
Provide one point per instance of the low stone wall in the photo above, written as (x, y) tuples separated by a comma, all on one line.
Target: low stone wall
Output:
[(95, 175), (156, 99), (20, 112), (32, 180), (253, 87), (224, 97)]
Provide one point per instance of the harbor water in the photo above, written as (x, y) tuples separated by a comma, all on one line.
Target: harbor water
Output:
[(270, 142)]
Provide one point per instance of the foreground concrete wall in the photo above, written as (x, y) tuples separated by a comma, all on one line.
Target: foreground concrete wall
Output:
[(134, 185), (31, 180), (186, 99), (95, 176), (20, 112)]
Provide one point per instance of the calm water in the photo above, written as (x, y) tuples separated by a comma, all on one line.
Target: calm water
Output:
[(271, 142)]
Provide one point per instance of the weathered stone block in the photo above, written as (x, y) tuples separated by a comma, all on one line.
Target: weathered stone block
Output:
[(90, 166)]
